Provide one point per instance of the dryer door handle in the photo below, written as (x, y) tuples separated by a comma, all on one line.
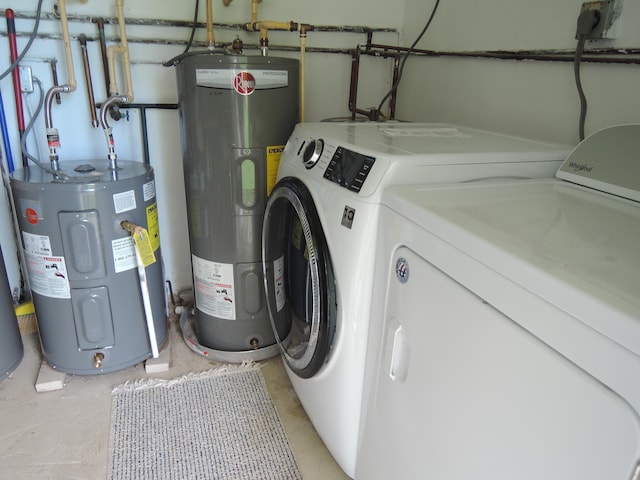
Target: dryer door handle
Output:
[(399, 356)]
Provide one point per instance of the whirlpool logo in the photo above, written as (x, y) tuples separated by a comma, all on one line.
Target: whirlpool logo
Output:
[(580, 167)]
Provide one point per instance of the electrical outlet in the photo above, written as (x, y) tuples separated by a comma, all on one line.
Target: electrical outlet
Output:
[(608, 12)]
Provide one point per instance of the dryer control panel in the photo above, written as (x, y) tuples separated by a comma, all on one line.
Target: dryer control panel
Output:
[(349, 169)]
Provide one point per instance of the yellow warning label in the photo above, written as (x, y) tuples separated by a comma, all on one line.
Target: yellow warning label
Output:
[(153, 226), (142, 240), (274, 153)]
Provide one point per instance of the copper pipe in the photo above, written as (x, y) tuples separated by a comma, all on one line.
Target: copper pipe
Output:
[(211, 39), (103, 50), (82, 38)]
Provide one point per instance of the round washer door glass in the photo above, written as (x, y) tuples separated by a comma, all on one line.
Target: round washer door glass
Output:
[(299, 281)]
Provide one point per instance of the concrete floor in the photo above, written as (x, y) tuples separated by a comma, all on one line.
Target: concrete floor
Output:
[(64, 434)]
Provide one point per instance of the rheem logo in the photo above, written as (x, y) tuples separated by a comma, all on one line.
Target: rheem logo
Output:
[(244, 83)]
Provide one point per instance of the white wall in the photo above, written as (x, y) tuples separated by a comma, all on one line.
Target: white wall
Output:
[(530, 98), (327, 88)]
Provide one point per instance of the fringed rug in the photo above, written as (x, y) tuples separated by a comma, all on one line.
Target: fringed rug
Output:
[(218, 424)]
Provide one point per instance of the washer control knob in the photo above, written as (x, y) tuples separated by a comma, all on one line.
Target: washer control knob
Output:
[(312, 152)]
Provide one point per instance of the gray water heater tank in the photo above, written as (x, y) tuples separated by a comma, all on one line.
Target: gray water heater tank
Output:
[(236, 115), (82, 265), (11, 349)]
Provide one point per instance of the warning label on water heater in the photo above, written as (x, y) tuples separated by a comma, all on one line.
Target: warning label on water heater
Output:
[(214, 288), (47, 272), (274, 153)]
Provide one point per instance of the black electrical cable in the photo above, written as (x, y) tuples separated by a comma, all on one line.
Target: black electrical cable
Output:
[(587, 21), (406, 56), (32, 37), (185, 53), (581, 95), (193, 28)]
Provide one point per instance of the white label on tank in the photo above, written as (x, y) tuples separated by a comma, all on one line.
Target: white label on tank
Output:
[(38, 244), (48, 275), (124, 201), (149, 190), (278, 282), (124, 254), (214, 288), (228, 78)]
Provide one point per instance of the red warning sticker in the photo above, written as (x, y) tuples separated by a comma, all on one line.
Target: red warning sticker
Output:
[(32, 216), (244, 83)]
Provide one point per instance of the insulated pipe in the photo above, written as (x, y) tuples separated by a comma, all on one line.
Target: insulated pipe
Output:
[(123, 49), (211, 39), (71, 82), (53, 138), (254, 10), (114, 96), (264, 27)]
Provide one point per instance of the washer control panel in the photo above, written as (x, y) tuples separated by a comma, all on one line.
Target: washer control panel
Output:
[(349, 169), (342, 166)]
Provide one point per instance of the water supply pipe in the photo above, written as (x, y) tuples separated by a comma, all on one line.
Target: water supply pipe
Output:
[(82, 38), (123, 49), (264, 26), (303, 47), (211, 39), (54, 77), (114, 96), (103, 51), (53, 138)]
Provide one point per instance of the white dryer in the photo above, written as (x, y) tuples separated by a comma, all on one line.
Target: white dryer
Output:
[(506, 339), (319, 237)]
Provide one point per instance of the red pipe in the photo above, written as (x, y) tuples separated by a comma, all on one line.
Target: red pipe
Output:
[(17, 89)]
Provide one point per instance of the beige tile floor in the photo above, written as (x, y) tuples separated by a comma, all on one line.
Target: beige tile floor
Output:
[(64, 434)]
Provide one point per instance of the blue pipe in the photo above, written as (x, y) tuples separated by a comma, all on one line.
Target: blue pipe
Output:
[(5, 136)]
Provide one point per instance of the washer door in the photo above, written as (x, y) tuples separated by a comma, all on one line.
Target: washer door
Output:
[(299, 281)]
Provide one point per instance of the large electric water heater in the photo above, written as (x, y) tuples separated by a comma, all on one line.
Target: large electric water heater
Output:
[(97, 309), (237, 113)]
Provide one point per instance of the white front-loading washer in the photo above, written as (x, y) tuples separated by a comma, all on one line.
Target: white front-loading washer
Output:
[(505, 335), (319, 241)]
